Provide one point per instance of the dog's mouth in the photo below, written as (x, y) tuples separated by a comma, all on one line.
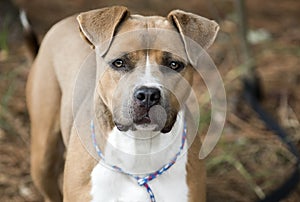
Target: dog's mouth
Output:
[(154, 119), (143, 120)]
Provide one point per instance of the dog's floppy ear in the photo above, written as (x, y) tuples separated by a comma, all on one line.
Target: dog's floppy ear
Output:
[(98, 26), (191, 26)]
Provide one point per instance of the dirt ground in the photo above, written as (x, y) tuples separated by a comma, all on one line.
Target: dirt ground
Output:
[(248, 162)]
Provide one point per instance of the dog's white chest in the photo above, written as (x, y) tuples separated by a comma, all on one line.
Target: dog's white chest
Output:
[(111, 186)]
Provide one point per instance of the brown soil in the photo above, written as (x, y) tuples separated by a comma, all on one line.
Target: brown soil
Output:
[(247, 159)]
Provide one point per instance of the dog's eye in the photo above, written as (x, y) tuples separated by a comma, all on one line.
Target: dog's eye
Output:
[(175, 65), (118, 63)]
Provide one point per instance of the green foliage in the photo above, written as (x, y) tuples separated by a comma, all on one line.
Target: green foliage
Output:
[(4, 35)]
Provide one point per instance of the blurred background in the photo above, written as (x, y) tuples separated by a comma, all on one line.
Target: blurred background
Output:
[(249, 160)]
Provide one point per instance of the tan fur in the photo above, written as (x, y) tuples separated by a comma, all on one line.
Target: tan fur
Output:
[(198, 28), (77, 175), (97, 28), (50, 90), (196, 173), (194, 28)]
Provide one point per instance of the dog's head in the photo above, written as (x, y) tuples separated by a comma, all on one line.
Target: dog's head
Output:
[(145, 84)]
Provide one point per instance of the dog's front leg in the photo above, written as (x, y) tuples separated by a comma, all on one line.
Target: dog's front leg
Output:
[(78, 167), (196, 173)]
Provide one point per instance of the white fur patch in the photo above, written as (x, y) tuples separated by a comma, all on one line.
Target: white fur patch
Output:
[(148, 67), (109, 185), (147, 78)]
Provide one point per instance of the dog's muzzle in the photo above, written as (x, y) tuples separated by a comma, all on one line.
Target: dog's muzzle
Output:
[(145, 110)]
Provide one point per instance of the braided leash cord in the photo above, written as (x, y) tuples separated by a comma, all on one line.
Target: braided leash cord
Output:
[(142, 181)]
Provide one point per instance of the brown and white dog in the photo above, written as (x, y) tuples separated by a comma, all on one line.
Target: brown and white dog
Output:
[(121, 113)]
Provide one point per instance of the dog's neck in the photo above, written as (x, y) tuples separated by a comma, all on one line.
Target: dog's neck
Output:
[(143, 151)]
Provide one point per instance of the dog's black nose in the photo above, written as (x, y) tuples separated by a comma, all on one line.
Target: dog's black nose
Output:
[(147, 97)]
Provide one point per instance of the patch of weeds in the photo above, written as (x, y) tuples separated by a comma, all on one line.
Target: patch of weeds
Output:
[(11, 87), (204, 119), (4, 39), (231, 160), (6, 98)]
